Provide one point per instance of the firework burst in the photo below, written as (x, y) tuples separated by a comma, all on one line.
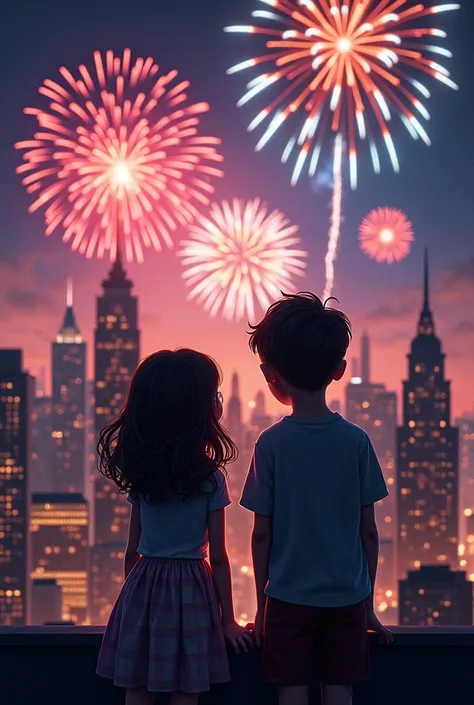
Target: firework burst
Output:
[(241, 254), (120, 142), (386, 235), (346, 68)]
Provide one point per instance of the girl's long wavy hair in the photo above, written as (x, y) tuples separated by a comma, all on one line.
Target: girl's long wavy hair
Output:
[(168, 440)]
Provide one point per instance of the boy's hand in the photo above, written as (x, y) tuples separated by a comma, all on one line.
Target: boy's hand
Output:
[(240, 639), (375, 625), (258, 628)]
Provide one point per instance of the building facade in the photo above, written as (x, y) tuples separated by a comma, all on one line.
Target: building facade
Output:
[(16, 396), (46, 602), (427, 456), (466, 469), (117, 352), (106, 579), (69, 405), (41, 476), (373, 408), (59, 528), (435, 596)]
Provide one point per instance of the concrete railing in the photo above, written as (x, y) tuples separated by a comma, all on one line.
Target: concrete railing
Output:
[(55, 666)]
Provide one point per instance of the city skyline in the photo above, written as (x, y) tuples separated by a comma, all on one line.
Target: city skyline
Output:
[(63, 527), (431, 189)]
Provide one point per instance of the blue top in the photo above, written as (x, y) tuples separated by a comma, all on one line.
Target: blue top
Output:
[(177, 528), (313, 477)]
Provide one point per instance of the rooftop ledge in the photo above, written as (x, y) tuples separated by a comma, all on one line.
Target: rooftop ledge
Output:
[(55, 665)]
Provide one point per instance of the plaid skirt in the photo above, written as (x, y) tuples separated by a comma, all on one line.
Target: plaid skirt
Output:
[(165, 631)]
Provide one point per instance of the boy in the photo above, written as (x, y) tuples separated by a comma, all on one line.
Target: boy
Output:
[(312, 484)]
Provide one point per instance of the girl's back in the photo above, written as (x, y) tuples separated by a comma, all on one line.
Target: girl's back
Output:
[(177, 527), (167, 451)]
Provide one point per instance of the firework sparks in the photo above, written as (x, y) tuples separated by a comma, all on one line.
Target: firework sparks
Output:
[(386, 235), (344, 67), (336, 217), (241, 254), (123, 139)]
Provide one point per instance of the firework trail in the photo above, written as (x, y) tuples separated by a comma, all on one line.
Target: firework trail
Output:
[(119, 143), (336, 218), (346, 67), (386, 235), (239, 254)]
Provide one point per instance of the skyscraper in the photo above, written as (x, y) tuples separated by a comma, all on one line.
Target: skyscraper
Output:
[(117, 341), (41, 476), (59, 527), (427, 455), (69, 404), (234, 410), (260, 419), (436, 596), (373, 408), (16, 394), (466, 468)]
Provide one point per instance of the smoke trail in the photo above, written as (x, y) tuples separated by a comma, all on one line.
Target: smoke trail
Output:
[(336, 217)]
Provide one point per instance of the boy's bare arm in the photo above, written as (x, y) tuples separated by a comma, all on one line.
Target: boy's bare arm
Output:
[(370, 540), (261, 543)]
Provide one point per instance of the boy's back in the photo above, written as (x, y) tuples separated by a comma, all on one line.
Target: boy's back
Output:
[(312, 485), (313, 477)]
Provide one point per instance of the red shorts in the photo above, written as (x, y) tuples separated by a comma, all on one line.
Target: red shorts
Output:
[(294, 634)]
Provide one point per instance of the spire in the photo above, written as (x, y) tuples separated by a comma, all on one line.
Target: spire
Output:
[(365, 358), (426, 286), (426, 324), (69, 331), (235, 385), (69, 293), (117, 278)]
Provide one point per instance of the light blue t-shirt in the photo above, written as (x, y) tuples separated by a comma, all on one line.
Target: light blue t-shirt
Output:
[(177, 527), (313, 478)]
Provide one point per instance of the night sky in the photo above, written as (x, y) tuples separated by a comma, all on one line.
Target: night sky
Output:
[(435, 188)]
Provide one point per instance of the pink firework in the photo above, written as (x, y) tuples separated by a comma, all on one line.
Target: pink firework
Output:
[(386, 235), (122, 143), (239, 255)]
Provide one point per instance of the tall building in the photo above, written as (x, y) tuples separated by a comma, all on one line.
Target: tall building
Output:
[(46, 602), (370, 406), (106, 579), (373, 408), (16, 394), (117, 342), (435, 596), (234, 410), (41, 476), (59, 527), (466, 468), (467, 548), (69, 404), (260, 420), (427, 455)]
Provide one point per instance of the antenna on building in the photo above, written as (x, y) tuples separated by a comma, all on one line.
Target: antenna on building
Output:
[(69, 293)]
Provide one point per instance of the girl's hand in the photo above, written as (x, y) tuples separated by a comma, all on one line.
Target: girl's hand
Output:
[(237, 636), (375, 625)]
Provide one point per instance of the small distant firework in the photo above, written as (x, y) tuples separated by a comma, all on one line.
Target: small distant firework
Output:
[(386, 235), (120, 144), (240, 254), (341, 70)]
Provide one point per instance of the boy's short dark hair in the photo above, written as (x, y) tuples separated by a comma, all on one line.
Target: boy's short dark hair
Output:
[(303, 340)]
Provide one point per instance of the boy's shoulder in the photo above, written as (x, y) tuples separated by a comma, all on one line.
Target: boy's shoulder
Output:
[(288, 427)]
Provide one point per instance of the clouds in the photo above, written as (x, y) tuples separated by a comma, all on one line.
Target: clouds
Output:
[(32, 301)]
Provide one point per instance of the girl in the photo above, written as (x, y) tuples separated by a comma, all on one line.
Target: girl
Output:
[(167, 450)]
